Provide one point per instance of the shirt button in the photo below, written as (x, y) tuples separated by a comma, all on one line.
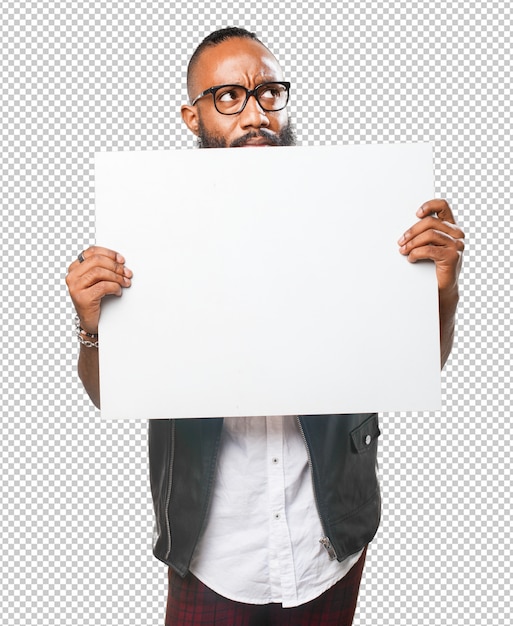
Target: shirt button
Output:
[(275, 460), (368, 439), (276, 516)]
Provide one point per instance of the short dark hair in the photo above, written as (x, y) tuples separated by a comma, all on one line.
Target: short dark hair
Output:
[(214, 39)]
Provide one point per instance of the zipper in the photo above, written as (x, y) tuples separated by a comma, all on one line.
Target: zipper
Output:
[(324, 541), (170, 485)]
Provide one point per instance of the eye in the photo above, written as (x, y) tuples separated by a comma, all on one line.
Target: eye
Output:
[(228, 95), (272, 92)]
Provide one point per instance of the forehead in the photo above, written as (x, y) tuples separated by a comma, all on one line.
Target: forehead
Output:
[(237, 60)]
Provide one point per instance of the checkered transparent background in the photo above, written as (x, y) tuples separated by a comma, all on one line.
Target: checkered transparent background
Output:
[(78, 77)]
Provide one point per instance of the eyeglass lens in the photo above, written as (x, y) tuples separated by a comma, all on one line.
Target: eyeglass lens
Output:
[(231, 98)]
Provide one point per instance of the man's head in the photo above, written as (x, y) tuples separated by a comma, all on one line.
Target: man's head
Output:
[(234, 56)]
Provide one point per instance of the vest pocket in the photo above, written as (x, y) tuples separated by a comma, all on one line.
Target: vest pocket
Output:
[(366, 434)]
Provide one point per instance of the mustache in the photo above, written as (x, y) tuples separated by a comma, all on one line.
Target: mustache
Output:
[(271, 138)]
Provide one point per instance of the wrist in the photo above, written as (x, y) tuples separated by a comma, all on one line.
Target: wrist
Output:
[(85, 337), (448, 298)]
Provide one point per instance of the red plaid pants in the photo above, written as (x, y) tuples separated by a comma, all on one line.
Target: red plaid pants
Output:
[(191, 603)]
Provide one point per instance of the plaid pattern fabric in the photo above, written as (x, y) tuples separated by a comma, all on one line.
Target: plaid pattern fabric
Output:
[(191, 603)]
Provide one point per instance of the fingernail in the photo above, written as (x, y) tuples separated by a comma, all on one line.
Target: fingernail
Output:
[(127, 272), (420, 212), (127, 281), (120, 258), (402, 240)]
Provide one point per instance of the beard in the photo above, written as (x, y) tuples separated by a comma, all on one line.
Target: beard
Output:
[(286, 137)]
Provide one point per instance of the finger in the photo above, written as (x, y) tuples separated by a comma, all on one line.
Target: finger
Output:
[(439, 207), (448, 255), (93, 295), (93, 261), (96, 251), (432, 238), (431, 223), (98, 274), (99, 261), (99, 250)]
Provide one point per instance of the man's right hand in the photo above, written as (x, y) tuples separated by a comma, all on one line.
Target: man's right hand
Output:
[(102, 272)]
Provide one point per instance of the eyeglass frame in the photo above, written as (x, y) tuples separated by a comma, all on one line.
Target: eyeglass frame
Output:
[(249, 93)]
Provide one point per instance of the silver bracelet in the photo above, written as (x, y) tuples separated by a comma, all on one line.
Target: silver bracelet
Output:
[(87, 340)]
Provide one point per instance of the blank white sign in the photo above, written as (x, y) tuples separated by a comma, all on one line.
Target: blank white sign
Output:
[(267, 282)]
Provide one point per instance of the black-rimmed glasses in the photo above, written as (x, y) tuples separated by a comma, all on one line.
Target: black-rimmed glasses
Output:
[(231, 99)]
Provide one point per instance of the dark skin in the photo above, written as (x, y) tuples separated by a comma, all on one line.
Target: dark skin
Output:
[(435, 237), (240, 62)]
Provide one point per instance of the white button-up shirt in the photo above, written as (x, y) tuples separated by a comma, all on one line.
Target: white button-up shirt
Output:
[(261, 540)]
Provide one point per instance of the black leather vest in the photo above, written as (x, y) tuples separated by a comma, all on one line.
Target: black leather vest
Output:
[(342, 452)]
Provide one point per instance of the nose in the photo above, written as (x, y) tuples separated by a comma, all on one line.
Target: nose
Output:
[(253, 116)]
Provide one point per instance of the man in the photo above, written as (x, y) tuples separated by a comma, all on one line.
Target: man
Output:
[(261, 520)]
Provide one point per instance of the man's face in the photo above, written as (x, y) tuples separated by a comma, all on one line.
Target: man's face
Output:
[(237, 61)]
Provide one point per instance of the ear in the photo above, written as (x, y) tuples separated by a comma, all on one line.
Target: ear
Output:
[(190, 117)]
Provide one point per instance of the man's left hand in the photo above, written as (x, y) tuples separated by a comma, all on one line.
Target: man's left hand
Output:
[(436, 237)]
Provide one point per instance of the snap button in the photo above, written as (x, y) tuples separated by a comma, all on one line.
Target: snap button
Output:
[(368, 439)]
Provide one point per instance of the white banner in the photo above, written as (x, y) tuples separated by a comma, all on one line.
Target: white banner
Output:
[(267, 282)]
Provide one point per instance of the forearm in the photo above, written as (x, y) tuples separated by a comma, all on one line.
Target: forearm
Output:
[(448, 303), (89, 373)]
